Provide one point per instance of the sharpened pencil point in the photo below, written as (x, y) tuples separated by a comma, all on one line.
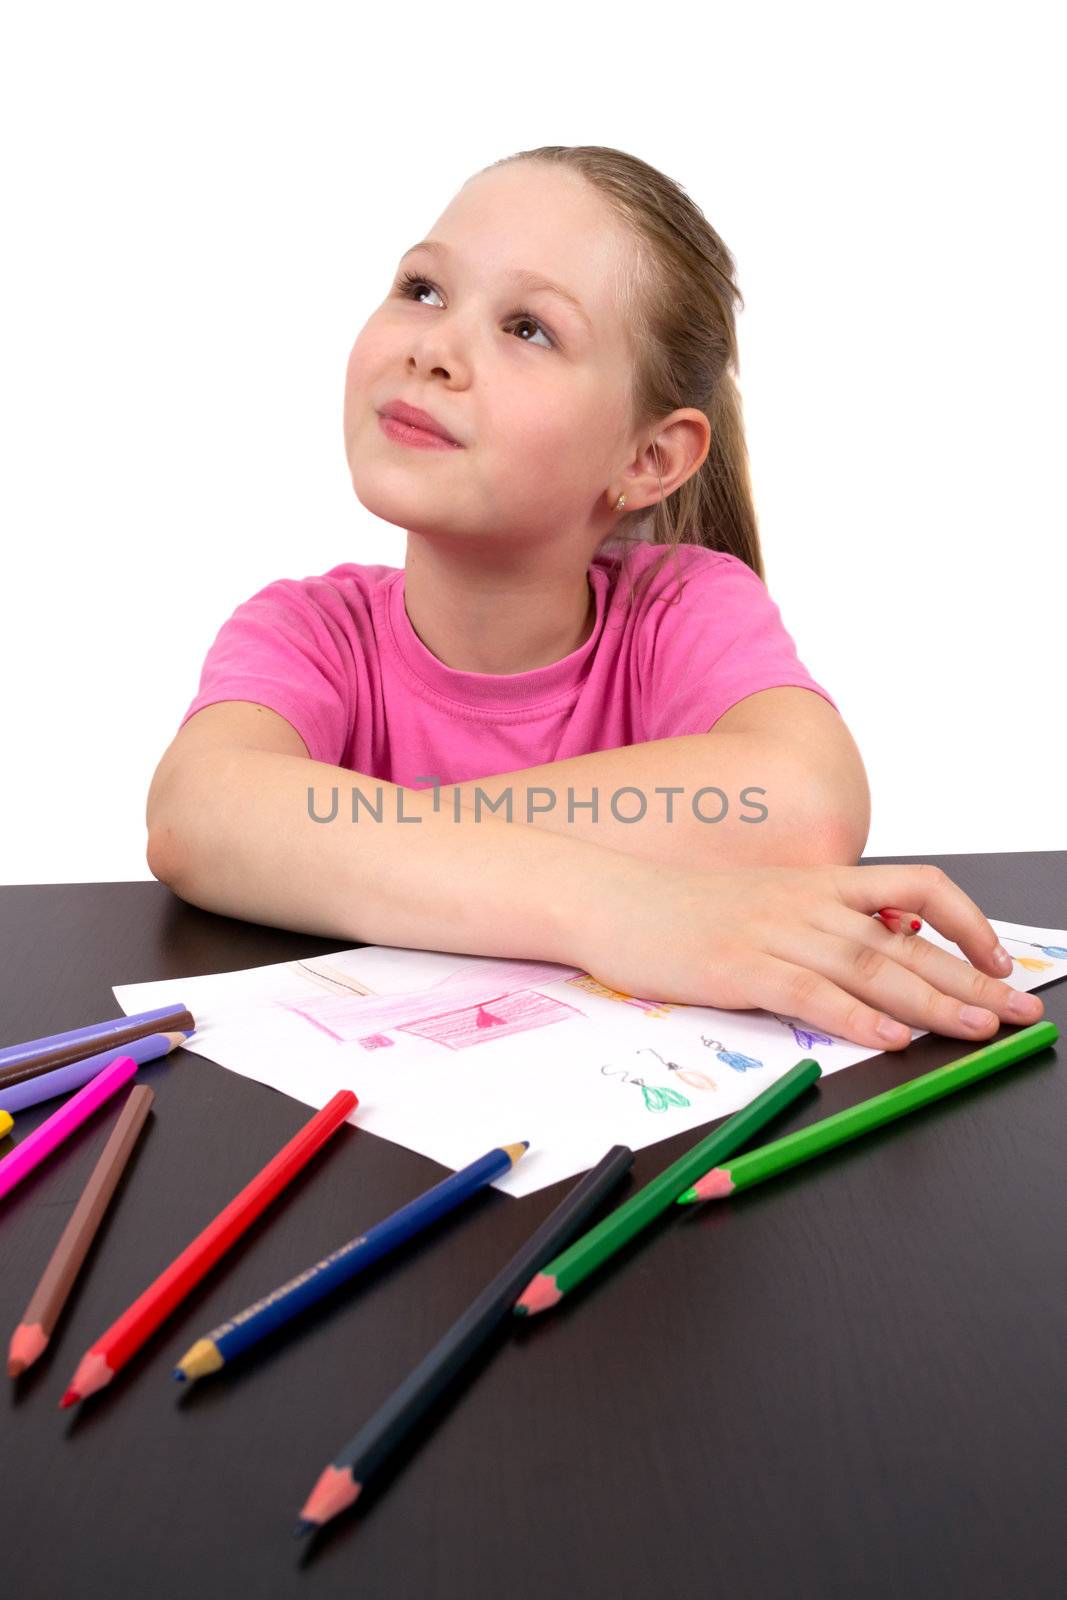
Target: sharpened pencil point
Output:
[(27, 1343), (179, 1374), (539, 1294), (92, 1374), (714, 1185), (334, 1490), (302, 1527)]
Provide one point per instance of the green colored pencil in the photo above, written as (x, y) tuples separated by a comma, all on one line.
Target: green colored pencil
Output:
[(770, 1159), (583, 1257)]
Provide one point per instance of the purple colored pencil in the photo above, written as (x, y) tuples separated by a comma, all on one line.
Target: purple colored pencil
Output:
[(13, 1053), (64, 1079)]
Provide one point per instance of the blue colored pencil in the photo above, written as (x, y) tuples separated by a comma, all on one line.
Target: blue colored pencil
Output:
[(248, 1327)]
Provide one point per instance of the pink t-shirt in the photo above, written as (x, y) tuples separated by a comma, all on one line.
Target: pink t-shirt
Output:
[(337, 657)]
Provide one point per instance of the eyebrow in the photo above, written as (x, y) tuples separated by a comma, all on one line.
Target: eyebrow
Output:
[(522, 277)]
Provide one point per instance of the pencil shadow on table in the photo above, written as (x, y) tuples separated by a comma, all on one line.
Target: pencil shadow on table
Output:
[(25, 1384)]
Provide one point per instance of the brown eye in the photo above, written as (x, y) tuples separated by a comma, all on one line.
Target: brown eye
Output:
[(410, 282)]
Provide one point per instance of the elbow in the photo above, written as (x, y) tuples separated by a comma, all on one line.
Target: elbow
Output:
[(161, 854), (838, 824)]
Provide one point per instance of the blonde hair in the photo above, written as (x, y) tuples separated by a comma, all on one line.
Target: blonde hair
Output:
[(678, 296)]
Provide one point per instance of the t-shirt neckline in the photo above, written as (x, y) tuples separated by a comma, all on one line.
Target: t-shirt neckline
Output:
[(487, 690)]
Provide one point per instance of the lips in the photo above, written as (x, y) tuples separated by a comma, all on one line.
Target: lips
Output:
[(416, 418)]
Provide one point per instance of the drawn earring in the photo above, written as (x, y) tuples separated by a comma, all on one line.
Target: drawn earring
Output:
[(620, 502)]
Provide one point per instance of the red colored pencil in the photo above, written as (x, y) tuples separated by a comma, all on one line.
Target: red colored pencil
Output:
[(114, 1348), (899, 921)]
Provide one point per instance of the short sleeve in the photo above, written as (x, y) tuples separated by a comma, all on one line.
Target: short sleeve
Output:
[(723, 640), (284, 649)]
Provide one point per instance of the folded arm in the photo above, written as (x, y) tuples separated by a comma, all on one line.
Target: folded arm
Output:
[(778, 781)]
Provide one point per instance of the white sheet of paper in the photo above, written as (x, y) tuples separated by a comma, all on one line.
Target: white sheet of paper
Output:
[(451, 1055)]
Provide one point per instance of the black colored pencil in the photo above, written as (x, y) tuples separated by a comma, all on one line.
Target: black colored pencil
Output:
[(341, 1482)]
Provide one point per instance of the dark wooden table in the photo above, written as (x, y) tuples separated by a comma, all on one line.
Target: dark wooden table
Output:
[(848, 1383)]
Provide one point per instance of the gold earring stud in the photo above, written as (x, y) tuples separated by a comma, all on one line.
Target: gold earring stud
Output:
[(620, 502)]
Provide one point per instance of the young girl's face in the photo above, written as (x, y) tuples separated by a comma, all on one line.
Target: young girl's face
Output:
[(535, 389)]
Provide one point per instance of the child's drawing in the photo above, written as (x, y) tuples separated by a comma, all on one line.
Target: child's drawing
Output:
[(651, 1008), (491, 1019), (656, 1097), (688, 1075), (1056, 951), (805, 1037), (400, 1026), (731, 1058), (494, 999)]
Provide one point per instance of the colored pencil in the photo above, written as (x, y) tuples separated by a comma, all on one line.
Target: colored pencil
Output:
[(12, 1054), (899, 921), (7, 1122), (248, 1327), (589, 1252), (31, 1151), (342, 1481), (771, 1159), (48, 1299), (65, 1054), (125, 1336), (46, 1085)]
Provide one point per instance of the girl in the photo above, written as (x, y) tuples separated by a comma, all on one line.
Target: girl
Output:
[(545, 402)]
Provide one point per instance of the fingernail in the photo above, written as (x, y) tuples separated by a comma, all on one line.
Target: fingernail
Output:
[(1002, 958), (1024, 1005), (975, 1017)]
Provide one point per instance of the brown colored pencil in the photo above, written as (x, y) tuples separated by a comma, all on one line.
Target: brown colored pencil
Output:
[(65, 1055), (48, 1299)]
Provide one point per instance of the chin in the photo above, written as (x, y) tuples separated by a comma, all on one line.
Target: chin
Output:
[(391, 496)]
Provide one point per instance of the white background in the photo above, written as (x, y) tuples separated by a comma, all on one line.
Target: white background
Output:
[(203, 203)]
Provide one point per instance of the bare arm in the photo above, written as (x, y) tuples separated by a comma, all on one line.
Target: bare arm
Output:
[(232, 830), (777, 782)]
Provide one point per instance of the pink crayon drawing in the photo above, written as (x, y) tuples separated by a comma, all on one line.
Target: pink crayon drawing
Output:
[(352, 1018), (492, 1019)]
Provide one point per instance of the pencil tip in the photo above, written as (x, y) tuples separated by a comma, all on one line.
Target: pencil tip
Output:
[(302, 1527), (539, 1294), (179, 1374), (70, 1398), (27, 1343)]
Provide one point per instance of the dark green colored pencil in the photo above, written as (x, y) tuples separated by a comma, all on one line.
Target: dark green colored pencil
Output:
[(560, 1276)]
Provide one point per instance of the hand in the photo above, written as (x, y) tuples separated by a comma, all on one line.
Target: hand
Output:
[(801, 941)]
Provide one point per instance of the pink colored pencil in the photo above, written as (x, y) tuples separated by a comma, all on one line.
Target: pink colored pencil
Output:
[(43, 1140)]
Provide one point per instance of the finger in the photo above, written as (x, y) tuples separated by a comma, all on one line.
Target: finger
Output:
[(934, 896), (899, 921), (911, 980), (799, 992)]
